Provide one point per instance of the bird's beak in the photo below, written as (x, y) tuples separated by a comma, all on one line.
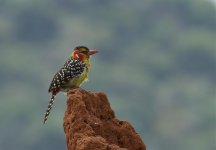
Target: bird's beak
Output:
[(92, 52)]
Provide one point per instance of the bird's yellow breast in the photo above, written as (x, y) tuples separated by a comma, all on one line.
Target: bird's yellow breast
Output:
[(78, 80)]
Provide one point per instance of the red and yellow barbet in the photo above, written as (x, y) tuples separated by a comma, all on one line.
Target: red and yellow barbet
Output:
[(72, 74)]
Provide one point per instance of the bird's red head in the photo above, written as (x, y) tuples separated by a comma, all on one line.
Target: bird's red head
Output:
[(82, 53)]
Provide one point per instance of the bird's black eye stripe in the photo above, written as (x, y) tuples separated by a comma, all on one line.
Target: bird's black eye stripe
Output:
[(84, 52)]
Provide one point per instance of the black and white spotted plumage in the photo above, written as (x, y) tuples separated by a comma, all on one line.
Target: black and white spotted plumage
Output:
[(72, 68)]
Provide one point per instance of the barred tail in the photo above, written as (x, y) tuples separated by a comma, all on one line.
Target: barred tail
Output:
[(49, 108)]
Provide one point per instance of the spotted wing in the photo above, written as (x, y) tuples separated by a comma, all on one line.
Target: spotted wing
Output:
[(71, 69)]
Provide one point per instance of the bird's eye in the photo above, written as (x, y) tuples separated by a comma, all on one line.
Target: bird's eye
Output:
[(85, 52)]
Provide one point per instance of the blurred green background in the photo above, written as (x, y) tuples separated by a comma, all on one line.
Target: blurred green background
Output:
[(157, 65)]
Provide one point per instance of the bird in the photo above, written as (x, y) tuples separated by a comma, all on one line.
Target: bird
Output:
[(72, 74)]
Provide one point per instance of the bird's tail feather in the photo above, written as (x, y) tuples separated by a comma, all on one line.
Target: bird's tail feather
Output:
[(49, 108)]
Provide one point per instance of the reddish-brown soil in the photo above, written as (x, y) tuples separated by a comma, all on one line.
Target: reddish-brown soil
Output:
[(90, 124)]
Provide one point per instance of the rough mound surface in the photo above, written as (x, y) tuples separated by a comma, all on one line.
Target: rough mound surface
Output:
[(90, 124)]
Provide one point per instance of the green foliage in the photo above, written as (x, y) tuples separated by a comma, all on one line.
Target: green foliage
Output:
[(156, 63)]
